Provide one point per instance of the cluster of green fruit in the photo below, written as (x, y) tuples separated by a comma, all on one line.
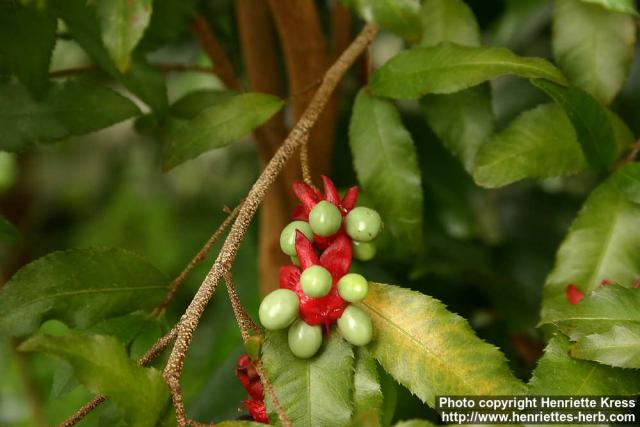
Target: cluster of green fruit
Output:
[(321, 284)]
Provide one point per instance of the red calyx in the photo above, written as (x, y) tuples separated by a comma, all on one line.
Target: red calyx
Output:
[(257, 410), (573, 294), (250, 380)]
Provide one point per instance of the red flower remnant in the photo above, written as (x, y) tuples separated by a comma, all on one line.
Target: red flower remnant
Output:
[(250, 380), (574, 295), (606, 282)]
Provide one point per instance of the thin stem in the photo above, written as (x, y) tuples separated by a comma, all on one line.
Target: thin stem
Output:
[(272, 394), (190, 319), (304, 162), (245, 323), (33, 398), (83, 412), (633, 154)]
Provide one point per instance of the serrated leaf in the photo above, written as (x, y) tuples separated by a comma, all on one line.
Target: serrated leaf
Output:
[(219, 125), (314, 392), (27, 37), (559, 374), (194, 102), (8, 232), (590, 120), (619, 346), (448, 68), (386, 164), (69, 108), (624, 6), (432, 351), (399, 16), (102, 365), (448, 20), (602, 243), (539, 143), (123, 23), (141, 79), (593, 46), (367, 393), (79, 287)]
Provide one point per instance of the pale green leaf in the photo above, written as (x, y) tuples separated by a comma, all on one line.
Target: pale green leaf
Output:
[(314, 392), (449, 20), (79, 287), (123, 23), (602, 243), (399, 16), (414, 423), (102, 365), (219, 125), (520, 23), (539, 143), (590, 120), (559, 374), (624, 6), (386, 163), (619, 346), (432, 351), (69, 108), (367, 393), (8, 232), (449, 67), (628, 182), (27, 38), (593, 46)]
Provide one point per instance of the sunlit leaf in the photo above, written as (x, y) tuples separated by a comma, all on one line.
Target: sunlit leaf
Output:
[(314, 392), (102, 365), (602, 243), (79, 287), (69, 108), (367, 393), (448, 20), (559, 374), (123, 23), (432, 351), (400, 16), (385, 161), (449, 67), (219, 125), (625, 6), (593, 46), (619, 346)]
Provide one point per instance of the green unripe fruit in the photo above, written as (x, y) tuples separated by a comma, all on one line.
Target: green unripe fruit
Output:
[(353, 287), (316, 281), (288, 236), (279, 309), (363, 224), (325, 219), (363, 251), (355, 326), (304, 339)]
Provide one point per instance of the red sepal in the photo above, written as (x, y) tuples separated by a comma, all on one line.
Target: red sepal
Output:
[(574, 295), (257, 410), (249, 378), (305, 252), (307, 195), (337, 257), (330, 191), (349, 199)]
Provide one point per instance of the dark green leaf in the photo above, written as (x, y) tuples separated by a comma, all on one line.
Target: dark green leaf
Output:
[(27, 37), (593, 46), (399, 16), (193, 103), (559, 374), (386, 163), (69, 108), (8, 232), (619, 346), (367, 393), (169, 20), (123, 23), (79, 287), (102, 365), (448, 68), (448, 20), (602, 243), (624, 6), (590, 120), (432, 351), (314, 392)]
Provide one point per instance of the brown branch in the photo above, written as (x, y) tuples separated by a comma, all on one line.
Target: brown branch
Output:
[(83, 412), (221, 64), (245, 323), (167, 68), (190, 319), (633, 154)]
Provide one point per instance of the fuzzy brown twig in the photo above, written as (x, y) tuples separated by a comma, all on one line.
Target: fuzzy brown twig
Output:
[(190, 319)]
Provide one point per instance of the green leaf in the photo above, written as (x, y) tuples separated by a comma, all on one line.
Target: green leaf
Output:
[(8, 232), (102, 365), (432, 351), (123, 23), (624, 6), (79, 287), (367, 393), (448, 68), (28, 35), (414, 423), (219, 125), (314, 392), (602, 243), (628, 182), (399, 16), (141, 79), (539, 143), (559, 374), (386, 163), (239, 423), (590, 120), (593, 46), (619, 346), (194, 102), (69, 108), (449, 20)]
